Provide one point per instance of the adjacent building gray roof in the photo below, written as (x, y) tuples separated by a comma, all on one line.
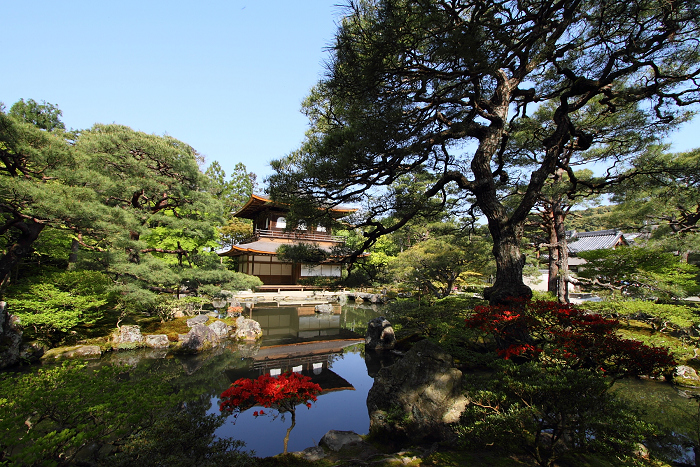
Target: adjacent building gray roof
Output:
[(601, 239)]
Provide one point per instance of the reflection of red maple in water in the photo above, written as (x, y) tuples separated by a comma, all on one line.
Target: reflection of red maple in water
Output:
[(562, 334), (282, 393)]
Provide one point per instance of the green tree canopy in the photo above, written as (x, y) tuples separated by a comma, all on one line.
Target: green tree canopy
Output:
[(639, 272), (443, 260), (440, 87), (45, 115), (136, 206)]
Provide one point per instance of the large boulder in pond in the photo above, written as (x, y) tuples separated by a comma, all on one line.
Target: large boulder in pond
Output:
[(10, 338), (380, 334), (418, 397), (220, 328), (157, 341), (199, 319), (199, 338), (248, 329), (128, 337)]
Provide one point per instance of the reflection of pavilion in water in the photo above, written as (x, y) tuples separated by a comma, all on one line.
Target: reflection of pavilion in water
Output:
[(297, 339), (313, 359), (294, 323)]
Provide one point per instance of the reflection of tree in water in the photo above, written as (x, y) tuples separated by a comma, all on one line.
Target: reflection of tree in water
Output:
[(281, 393)]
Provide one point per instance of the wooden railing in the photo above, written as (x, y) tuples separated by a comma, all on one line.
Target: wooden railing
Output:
[(299, 235)]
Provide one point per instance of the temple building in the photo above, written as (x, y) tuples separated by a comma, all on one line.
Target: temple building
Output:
[(258, 257)]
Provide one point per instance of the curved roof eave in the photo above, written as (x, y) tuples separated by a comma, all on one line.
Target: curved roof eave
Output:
[(256, 202)]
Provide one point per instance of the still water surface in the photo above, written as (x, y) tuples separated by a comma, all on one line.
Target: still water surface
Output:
[(323, 346)]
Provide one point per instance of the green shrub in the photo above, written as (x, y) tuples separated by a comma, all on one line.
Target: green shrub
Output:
[(241, 281), (548, 411), (53, 304), (658, 315)]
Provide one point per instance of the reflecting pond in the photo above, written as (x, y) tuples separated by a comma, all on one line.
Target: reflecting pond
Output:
[(330, 349), (327, 347)]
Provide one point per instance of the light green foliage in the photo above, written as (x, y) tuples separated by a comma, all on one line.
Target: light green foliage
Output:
[(640, 272), (239, 281), (547, 412), (45, 115), (234, 193), (52, 304), (446, 259), (659, 315), (168, 307)]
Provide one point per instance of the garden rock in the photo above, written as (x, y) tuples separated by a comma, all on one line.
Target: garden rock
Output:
[(418, 396), (157, 341), (380, 334), (220, 329), (32, 351), (128, 337), (199, 319), (78, 351), (312, 454), (10, 338), (336, 440), (686, 376), (248, 329), (324, 308), (199, 338)]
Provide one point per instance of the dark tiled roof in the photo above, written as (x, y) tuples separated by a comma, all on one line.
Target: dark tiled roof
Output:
[(601, 239)]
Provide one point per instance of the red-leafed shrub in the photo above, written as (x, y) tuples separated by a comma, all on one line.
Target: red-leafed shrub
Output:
[(282, 393), (563, 334)]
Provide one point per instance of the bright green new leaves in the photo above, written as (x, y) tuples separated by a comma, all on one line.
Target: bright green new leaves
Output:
[(54, 303)]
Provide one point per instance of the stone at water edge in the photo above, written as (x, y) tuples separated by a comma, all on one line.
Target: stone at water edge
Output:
[(220, 328), (324, 308), (199, 319), (335, 440), (380, 334), (199, 338), (157, 341), (127, 337), (418, 396), (248, 329)]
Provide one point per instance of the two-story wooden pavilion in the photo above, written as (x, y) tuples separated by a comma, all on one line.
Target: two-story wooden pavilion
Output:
[(270, 231)]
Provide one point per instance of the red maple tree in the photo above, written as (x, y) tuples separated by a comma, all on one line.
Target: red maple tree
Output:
[(282, 393), (563, 334)]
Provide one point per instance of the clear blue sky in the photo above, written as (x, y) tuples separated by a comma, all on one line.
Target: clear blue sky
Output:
[(225, 76)]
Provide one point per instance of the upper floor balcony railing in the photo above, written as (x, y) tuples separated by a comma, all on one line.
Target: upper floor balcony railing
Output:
[(299, 235)]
